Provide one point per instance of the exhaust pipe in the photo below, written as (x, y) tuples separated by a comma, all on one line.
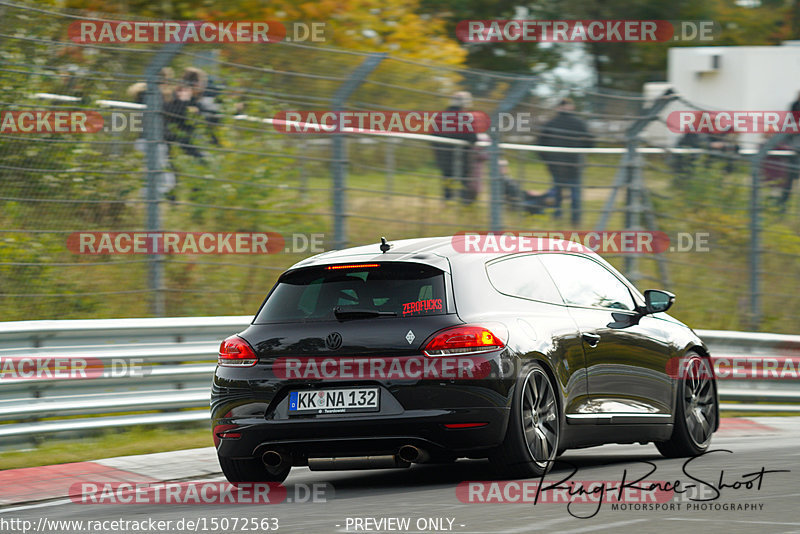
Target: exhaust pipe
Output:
[(275, 461), (412, 454)]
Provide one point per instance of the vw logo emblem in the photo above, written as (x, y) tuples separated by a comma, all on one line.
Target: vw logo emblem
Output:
[(334, 340)]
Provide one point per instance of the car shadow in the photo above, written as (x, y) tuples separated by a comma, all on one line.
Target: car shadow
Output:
[(350, 484)]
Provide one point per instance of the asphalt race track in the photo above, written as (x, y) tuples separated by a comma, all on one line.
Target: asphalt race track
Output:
[(425, 495)]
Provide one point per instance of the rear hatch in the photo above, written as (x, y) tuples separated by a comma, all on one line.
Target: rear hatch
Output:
[(360, 309), (354, 338)]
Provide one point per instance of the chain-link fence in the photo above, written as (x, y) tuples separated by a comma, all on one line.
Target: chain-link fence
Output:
[(223, 167)]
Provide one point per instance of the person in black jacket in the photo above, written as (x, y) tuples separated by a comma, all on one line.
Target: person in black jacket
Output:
[(565, 130), (178, 126), (447, 155)]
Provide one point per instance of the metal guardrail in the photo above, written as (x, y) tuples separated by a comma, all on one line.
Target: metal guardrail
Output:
[(177, 360)]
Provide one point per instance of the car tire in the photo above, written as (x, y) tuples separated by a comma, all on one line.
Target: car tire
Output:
[(531, 442), (695, 412), (250, 470)]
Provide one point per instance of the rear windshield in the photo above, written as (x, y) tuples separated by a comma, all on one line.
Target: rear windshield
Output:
[(393, 289)]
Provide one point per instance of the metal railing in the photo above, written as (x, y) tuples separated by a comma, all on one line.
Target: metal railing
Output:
[(175, 361)]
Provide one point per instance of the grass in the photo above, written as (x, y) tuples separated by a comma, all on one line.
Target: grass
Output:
[(724, 412), (137, 440)]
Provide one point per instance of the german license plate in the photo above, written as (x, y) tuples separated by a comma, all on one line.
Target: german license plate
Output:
[(334, 401)]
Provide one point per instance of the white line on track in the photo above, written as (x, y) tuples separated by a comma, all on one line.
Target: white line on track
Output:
[(595, 527), (732, 521), (538, 525), (31, 506)]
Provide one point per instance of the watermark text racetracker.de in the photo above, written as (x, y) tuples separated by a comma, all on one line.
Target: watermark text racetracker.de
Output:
[(105, 243), (195, 32), (385, 368), (607, 242), (734, 122), (585, 31), (572, 493), (44, 367), (366, 121), (46, 121), (742, 367), (202, 492)]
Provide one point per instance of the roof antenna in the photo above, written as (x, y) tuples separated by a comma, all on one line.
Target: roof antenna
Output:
[(384, 245)]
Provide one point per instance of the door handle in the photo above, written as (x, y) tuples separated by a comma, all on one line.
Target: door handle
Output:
[(591, 339)]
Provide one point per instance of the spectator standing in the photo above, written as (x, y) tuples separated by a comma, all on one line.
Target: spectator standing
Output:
[(210, 106), (476, 157), (446, 154), (178, 126), (566, 129), (167, 179)]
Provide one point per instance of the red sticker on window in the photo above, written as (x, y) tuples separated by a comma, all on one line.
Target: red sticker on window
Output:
[(422, 306)]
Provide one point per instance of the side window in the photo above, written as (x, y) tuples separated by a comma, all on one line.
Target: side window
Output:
[(583, 282), (523, 276)]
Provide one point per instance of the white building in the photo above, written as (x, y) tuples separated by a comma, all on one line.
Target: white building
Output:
[(729, 78)]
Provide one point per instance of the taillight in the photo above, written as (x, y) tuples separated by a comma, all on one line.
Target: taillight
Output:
[(225, 432), (464, 425), (463, 340), (352, 266), (236, 352)]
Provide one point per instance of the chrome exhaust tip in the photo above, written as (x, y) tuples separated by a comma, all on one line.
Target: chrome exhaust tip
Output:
[(412, 454), (274, 461)]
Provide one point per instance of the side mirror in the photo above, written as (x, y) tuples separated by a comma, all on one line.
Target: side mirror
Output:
[(657, 301)]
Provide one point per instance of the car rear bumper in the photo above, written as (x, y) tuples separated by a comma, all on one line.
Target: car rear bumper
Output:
[(367, 435)]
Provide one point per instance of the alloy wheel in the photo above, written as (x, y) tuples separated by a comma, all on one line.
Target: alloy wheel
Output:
[(699, 407), (539, 417)]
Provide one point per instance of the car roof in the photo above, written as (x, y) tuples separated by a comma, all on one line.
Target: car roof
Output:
[(436, 251)]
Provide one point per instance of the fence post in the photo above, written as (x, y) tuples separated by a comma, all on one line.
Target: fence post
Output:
[(302, 147), (389, 162), (153, 125), (339, 154), (516, 93), (633, 208), (629, 176), (755, 227), (631, 135)]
